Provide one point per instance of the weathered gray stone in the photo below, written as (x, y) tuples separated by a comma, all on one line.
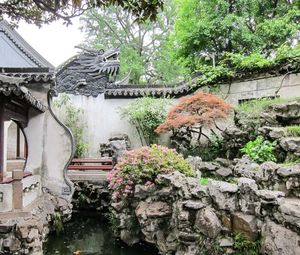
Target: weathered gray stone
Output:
[(286, 171), (195, 162), (176, 180), (143, 191), (196, 190), (226, 242), (270, 195), (223, 162), (293, 184), (118, 206), (208, 167), (290, 211), (208, 223), (153, 210), (274, 133), (246, 183), (277, 240), (187, 237), (223, 194), (248, 201), (291, 144), (246, 224), (128, 237), (33, 234), (224, 172), (194, 205), (6, 227), (12, 244), (245, 167)]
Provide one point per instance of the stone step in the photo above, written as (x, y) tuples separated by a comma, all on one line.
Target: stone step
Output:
[(87, 175)]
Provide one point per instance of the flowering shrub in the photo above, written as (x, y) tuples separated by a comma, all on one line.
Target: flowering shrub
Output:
[(141, 166)]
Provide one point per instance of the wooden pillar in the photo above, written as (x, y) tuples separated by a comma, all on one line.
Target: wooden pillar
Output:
[(1, 140), (17, 176)]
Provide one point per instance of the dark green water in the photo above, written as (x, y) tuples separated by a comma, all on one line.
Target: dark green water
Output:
[(91, 236)]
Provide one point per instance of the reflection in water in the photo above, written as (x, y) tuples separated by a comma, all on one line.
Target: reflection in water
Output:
[(90, 236)]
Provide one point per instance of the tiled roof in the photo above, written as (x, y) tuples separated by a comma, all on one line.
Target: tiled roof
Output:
[(144, 90), (19, 50), (12, 82), (29, 74)]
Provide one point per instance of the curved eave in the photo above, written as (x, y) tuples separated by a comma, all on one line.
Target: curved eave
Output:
[(22, 93)]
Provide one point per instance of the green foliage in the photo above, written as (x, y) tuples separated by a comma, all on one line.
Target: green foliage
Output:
[(292, 131), (146, 114), (245, 247), (212, 74), (72, 118), (42, 11), (141, 166), (240, 62), (292, 162), (203, 181), (260, 150), (234, 36), (114, 223), (209, 151), (57, 222), (213, 149), (145, 51)]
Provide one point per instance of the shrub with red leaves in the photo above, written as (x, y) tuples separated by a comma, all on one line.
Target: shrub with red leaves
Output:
[(195, 112)]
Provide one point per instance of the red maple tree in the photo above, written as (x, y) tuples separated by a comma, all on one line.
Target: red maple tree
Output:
[(194, 113)]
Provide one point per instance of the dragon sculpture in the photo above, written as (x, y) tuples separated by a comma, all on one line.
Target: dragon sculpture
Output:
[(89, 72)]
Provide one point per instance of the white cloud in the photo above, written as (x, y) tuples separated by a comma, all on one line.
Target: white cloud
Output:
[(55, 42)]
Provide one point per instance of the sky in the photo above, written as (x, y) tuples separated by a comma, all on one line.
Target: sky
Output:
[(55, 42)]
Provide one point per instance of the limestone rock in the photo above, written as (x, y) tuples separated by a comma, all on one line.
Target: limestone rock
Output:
[(12, 244), (245, 167), (284, 113), (223, 194), (176, 180), (128, 237), (33, 234), (269, 195), (143, 191), (290, 211), (194, 205), (224, 172), (208, 167), (223, 162), (246, 224), (226, 242), (286, 171), (248, 201), (197, 191), (277, 240), (153, 210), (291, 144), (195, 162), (275, 133), (208, 223)]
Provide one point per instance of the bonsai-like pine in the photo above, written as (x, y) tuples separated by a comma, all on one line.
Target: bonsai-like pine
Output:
[(193, 113)]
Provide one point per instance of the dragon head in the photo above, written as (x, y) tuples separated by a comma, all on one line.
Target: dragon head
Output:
[(98, 63), (89, 72)]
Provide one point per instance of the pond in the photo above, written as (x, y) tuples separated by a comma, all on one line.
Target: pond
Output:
[(86, 235)]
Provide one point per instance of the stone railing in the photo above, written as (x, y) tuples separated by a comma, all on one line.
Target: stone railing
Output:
[(20, 192)]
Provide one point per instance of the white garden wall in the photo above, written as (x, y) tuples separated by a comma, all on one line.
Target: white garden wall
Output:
[(103, 119)]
